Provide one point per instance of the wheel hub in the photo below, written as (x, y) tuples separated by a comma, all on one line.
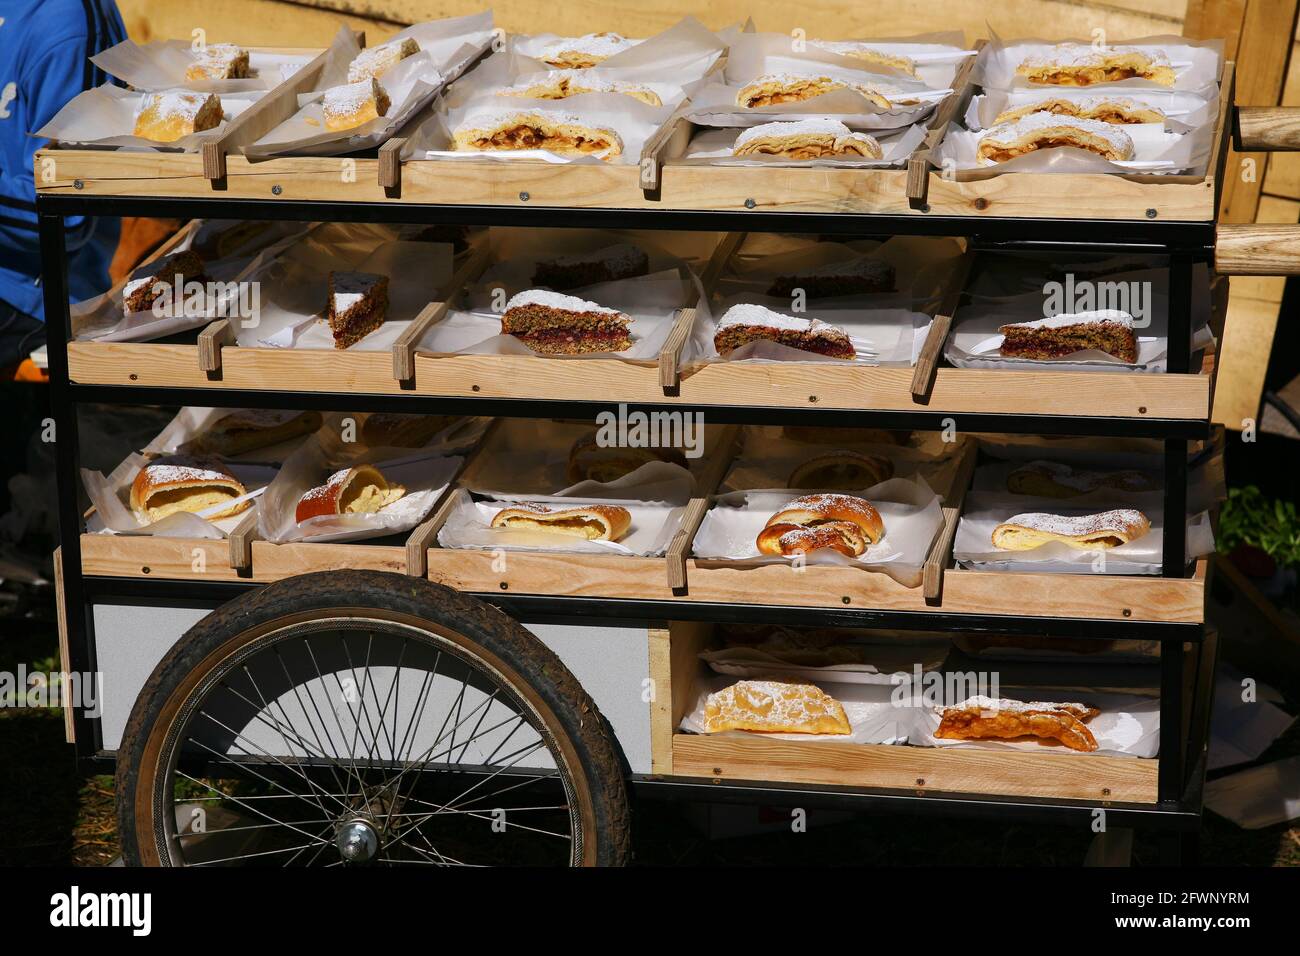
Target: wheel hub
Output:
[(358, 841)]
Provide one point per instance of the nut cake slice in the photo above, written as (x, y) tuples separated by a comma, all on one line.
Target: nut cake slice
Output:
[(561, 324), (357, 306)]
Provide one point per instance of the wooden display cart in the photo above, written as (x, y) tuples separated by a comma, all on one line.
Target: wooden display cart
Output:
[(657, 613)]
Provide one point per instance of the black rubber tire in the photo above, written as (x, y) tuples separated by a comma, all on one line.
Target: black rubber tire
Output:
[(485, 630)]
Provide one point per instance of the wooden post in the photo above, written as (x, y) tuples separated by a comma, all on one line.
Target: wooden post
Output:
[(680, 545)]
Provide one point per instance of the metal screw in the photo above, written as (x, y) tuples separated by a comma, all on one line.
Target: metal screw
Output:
[(78, 184), (524, 197), (1142, 409), (1151, 214), (133, 377), (924, 207), (813, 399), (474, 388), (145, 570), (504, 586), (717, 771), (750, 204), (1105, 791), (1128, 612), (276, 190), (846, 599), (981, 203), (920, 781)]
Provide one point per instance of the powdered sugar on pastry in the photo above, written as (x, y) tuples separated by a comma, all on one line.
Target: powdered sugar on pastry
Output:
[(1082, 54), (1112, 316), (749, 314), (982, 703), (1116, 521), (594, 45), (1025, 128), (556, 300)]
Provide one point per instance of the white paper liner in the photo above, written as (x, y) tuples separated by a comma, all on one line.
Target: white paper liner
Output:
[(446, 48), (633, 121), (1128, 725), (937, 56), (1185, 109), (1156, 152), (687, 47), (911, 513), (886, 660), (880, 336), (653, 524), (193, 421), (975, 340), (104, 318), (161, 65), (424, 473), (1195, 63), (713, 147), (650, 301), (104, 117), (295, 291), (985, 510)]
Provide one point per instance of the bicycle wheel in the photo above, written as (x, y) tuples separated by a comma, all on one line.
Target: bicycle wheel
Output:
[(355, 717)]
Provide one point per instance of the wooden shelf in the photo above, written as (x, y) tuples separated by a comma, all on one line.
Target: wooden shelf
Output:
[(971, 391), (1090, 596)]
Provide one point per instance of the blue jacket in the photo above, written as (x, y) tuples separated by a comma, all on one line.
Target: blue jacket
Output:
[(45, 46)]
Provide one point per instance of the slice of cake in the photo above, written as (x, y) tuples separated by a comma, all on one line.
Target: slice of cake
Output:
[(152, 279), (773, 89), (621, 261), (850, 277), (1101, 330), (745, 323), (166, 116), (561, 84), (806, 139), (560, 324), (563, 133), (1081, 64), (348, 106), (220, 61), (357, 305), (373, 63), (1116, 110)]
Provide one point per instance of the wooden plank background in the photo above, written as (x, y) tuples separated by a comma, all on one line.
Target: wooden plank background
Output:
[(1261, 34)]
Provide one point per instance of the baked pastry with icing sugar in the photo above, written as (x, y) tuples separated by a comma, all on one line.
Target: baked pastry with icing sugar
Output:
[(359, 490), (248, 429), (591, 461), (863, 274), (1043, 130), (1057, 336), (1079, 64), (772, 89), (806, 139), (774, 707), (562, 133), (188, 483), (842, 471), (1116, 110), (1091, 532), (590, 522), (1051, 479), (372, 63), (558, 324), (584, 52), (358, 304), (840, 522), (561, 84), (151, 281), (868, 54), (622, 260), (983, 718), (219, 61), (167, 116), (351, 105), (747, 322)]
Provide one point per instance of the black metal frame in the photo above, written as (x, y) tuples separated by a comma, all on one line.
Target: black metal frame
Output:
[(1181, 768)]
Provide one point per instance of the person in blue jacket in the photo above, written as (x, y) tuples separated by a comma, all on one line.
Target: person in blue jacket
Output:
[(45, 50)]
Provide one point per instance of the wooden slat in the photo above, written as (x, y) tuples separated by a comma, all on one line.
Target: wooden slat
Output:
[(658, 660), (705, 485), (403, 351), (262, 117), (927, 361), (65, 649), (952, 108), (420, 541), (667, 141), (241, 544), (210, 342), (1257, 249), (725, 188), (789, 385), (1268, 128), (938, 769), (390, 164), (670, 356), (941, 548)]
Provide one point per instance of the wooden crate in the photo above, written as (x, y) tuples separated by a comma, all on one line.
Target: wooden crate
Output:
[(1053, 773)]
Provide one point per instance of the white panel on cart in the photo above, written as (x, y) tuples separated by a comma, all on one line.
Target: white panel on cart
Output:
[(610, 661)]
